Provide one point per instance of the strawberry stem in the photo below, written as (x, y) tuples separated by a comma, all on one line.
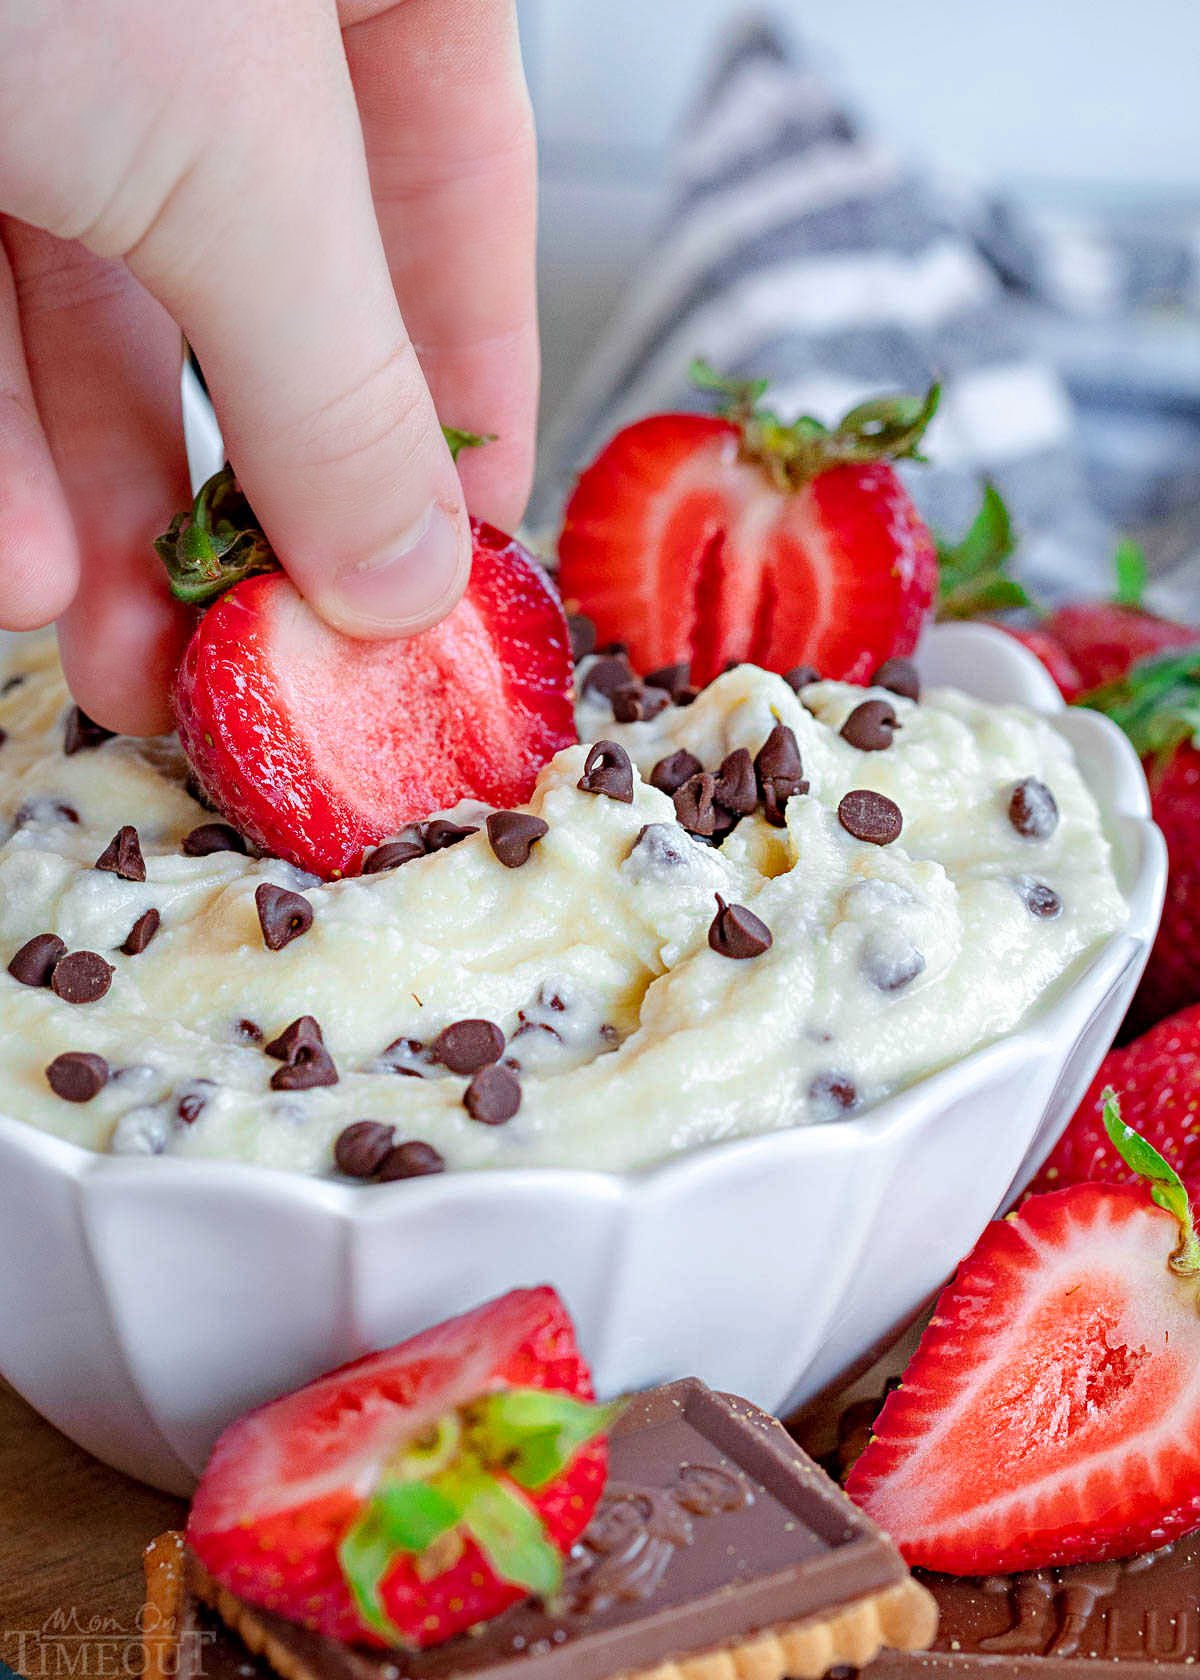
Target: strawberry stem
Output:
[(1167, 1189), (468, 1476), (793, 451), (1129, 563)]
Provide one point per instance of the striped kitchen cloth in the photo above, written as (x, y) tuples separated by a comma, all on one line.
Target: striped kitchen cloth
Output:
[(797, 247)]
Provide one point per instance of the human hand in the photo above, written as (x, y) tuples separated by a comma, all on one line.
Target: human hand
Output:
[(336, 203)]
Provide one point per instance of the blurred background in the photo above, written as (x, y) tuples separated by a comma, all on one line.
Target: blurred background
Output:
[(1058, 143)]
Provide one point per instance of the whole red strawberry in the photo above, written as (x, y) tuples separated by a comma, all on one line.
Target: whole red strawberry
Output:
[(418, 1492), (1103, 639), (1157, 1078), (1051, 1412), (315, 745), (700, 540), (1157, 703)]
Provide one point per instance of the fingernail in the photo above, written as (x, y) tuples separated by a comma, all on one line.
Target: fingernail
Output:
[(413, 584)]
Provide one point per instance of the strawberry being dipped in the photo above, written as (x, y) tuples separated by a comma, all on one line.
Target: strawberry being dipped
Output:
[(418, 1492), (700, 540), (1051, 1413), (1158, 1077), (315, 745)]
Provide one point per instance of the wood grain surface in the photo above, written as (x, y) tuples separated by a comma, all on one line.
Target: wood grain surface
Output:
[(71, 1539)]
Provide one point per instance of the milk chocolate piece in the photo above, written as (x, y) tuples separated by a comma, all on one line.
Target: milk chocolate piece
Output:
[(1132, 1620), (718, 1548)]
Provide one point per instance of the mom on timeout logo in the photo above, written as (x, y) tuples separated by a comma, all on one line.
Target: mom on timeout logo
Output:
[(74, 1645)]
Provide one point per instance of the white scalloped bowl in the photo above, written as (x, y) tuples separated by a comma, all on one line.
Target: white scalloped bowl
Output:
[(148, 1302)]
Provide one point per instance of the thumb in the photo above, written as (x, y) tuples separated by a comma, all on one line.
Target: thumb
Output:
[(269, 255)]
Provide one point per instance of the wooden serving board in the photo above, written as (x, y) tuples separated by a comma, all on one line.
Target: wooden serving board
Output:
[(71, 1539)]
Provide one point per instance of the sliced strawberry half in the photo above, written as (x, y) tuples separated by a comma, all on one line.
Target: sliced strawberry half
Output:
[(702, 540), (417, 1492), (315, 745), (1051, 1413)]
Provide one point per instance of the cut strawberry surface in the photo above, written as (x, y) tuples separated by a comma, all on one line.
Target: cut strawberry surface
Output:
[(1051, 1414), (316, 746), (408, 1496), (702, 540)]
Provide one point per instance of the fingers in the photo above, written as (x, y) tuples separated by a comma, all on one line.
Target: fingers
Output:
[(269, 254), (450, 145), (103, 362), (39, 565)]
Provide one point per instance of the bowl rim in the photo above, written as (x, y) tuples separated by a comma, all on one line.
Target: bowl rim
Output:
[(1092, 976)]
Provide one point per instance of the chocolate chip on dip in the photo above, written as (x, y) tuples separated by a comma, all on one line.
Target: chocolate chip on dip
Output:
[(81, 977), (512, 836), (801, 676), (780, 773), (670, 773), (832, 1094), (123, 855), (900, 677), (141, 933), (870, 816), (361, 1148), (213, 837), (737, 932), (82, 733), (411, 1159), (34, 962), (1033, 809), (307, 1063), (466, 1046), (607, 770), (392, 855), (282, 915), (493, 1096), (77, 1076), (737, 788), (871, 725), (1039, 899)]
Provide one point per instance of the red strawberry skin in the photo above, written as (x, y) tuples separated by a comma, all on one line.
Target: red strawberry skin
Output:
[(284, 1484), (316, 746), (1051, 1413), (1052, 654), (678, 545), (1104, 638), (1172, 978), (1157, 1078)]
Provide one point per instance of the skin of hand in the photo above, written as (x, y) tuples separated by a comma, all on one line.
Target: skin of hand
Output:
[(336, 203)]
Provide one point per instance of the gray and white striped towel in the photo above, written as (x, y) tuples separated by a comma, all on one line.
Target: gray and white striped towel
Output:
[(798, 248)]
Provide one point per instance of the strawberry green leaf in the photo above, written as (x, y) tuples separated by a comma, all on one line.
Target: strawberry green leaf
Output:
[(459, 440), (400, 1518), (1130, 564), (534, 1434), (1166, 1186), (509, 1533), (973, 573), (1156, 703)]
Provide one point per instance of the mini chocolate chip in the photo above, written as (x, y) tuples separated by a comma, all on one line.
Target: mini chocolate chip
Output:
[(675, 679), (11, 684), (512, 835), (193, 1103), (441, 833), (737, 932), (77, 1076), (301, 1047), (608, 675), (890, 964), (34, 962), (282, 915), (465, 1046), (899, 676), (1033, 809), (81, 977), (670, 773), (413, 1159), (213, 837), (196, 792), (392, 855), (737, 789), (123, 855), (247, 1032), (582, 633), (871, 725), (407, 1056), (493, 1096), (780, 773), (801, 676), (82, 733), (141, 933), (42, 809), (3, 736), (663, 845), (1040, 900), (362, 1148), (696, 807), (832, 1094), (637, 704), (870, 816), (608, 771)]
